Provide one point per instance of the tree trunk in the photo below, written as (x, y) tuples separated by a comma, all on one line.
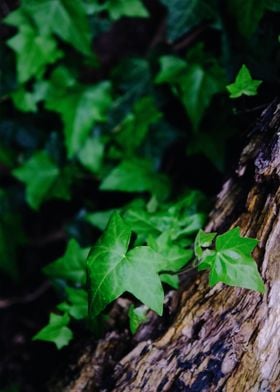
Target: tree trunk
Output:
[(221, 338)]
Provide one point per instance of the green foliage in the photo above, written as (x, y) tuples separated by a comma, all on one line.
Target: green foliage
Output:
[(105, 128), (71, 266), (56, 331), (243, 84), (231, 261), (45, 183), (137, 316), (120, 8)]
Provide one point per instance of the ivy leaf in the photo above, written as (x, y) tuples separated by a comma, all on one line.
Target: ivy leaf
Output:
[(77, 303), (91, 154), (136, 176), (137, 316), (113, 270), (71, 266), (197, 88), (184, 15), (56, 331), (231, 262), (65, 18), (80, 108), (39, 174), (99, 219), (120, 8), (132, 131), (24, 100), (247, 14), (34, 52), (171, 67), (202, 240), (243, 84)]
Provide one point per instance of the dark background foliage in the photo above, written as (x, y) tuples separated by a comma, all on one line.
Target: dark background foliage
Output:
[(58, 155)]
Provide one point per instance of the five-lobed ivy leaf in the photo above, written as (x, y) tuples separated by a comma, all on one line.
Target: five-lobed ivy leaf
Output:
[(113, 270), (243, 84), (71, 266), (231, 261), (56, 331)]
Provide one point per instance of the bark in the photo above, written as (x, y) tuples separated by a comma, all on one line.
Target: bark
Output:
[(220, 338)]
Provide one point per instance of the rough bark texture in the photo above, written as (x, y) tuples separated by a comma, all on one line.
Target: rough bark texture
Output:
[(221, 338)]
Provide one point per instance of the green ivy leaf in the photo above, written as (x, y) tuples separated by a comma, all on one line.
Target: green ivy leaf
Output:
[(65, 18), (77, 303), (137, 316), (243, 84), (34, 52), (197, 89), (247, 14), (92, 153), (171, 67), (80, 108), (39, 174), (136, 176), (133, 130), (131, 8), (202, 240), (184, 15), (113, 270), (24, 100), (231, 262), (56, 331), (71, 266)]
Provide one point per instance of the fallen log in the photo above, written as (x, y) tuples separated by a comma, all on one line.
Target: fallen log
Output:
[(220, 338)]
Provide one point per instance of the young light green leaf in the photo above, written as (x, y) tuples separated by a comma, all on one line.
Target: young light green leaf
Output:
[(131, 8), (77, 303), (65, 18), (171, 67), (71, 266), (202, 240), (113, 270), (56, 331), (80, 108), (231, 262), (243, 84), (137, 316), (136, 176), (34, 52), (39, 174)]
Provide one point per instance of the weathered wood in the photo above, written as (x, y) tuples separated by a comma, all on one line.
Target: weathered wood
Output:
[(222, 338)]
